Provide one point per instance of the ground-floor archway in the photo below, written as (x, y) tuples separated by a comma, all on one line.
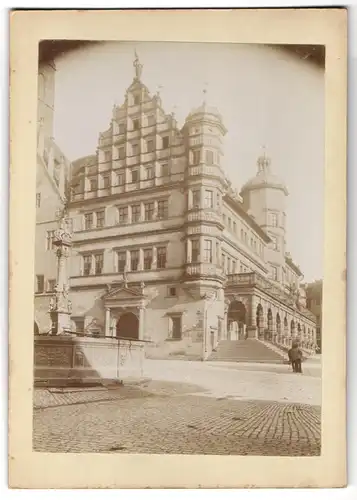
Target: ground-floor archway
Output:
[(278, 327), (128, 326), (236, 320), (269, 333), (260, 320)]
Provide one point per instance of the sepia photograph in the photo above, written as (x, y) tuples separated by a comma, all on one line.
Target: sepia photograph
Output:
[(177, 249), (178, 261)]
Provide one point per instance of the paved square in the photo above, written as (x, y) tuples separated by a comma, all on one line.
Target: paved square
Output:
[(172, 417)]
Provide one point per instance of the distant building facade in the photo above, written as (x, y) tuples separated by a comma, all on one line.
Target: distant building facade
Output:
[(51, 184), (314, 304), (166, 250)]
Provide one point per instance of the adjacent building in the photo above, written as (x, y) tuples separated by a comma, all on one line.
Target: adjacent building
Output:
[(166, 250), (51, 185), (314, 304)]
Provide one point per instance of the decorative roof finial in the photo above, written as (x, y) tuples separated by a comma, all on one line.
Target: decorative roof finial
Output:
[(263, 161), (138, 67), (205, 90)]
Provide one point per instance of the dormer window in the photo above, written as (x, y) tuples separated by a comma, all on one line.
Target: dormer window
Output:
[(136, 99)]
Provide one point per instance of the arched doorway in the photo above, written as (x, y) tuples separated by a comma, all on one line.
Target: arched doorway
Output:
[(292, 329), (128, 326), (278, 327), (260, 320), (286, 331), (36, 330), (270, 325), (236, 319), (299, 332)]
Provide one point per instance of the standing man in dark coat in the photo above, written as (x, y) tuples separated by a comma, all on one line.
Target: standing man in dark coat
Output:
[(295, 357)]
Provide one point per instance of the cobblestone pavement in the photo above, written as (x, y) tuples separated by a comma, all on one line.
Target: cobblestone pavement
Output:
[(169, 417)]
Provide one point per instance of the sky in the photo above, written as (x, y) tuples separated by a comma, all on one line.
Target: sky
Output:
[(267, 98)]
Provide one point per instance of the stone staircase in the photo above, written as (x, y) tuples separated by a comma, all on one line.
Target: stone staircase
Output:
[(247, 351)]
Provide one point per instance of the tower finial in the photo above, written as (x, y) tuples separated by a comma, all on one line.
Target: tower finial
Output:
[(138, 67), (263, 161), (204, 91)]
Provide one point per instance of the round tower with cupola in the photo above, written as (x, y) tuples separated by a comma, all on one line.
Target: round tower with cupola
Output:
[(205, 185), (264, 197)]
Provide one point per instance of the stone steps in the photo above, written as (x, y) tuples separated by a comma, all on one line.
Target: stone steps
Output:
[(250, 350)]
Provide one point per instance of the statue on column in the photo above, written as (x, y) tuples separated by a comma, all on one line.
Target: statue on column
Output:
[(60, 305)]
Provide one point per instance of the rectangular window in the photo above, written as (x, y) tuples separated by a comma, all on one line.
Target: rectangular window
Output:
[(135, 176), (88, 220), (196, 157), (121, 261), (150, 146), (164, 170), (161, 257), (209, 157), (107, 155), (274, 242), (229, 223), (121, 129), (87, 264), (163, 209), (196, 198), (275, 273), (172, 291), (49, 240), (135, 213), (176, 327), (149, 211), (106, 181), (135, 149), (224, 217), (195, 251), (123, 215), (40, 283), (147, 258), (93, 184), (228, 265), (136, 125), (100, 218), (218, 257), (51, 285), (120, 179), (149, 173), (207, 251), (136, 99), (38, 200), (151, 120), (134, 260), (121, 153), (99, 258), (274, 219), (234, 266), (165, 142), (208, 199), (224, 262)]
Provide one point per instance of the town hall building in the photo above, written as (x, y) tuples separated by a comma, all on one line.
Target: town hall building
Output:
[(166, 250)]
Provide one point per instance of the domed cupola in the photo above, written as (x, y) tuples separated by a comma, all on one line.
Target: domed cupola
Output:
[(264, 178), (207, 113)]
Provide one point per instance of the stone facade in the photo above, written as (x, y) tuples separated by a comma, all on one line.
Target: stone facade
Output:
[(166, 250), (51, 186)]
